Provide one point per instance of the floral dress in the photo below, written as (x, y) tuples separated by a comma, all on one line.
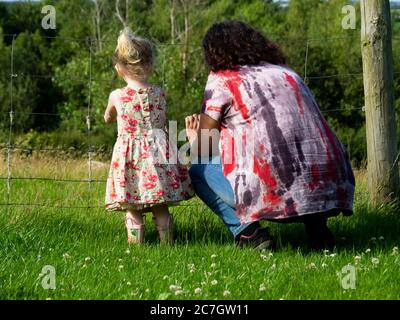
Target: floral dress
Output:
[(278, 152), (144, 169)]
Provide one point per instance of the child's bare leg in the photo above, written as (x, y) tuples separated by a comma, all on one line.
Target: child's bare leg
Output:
[(164, 223), (134, 226)]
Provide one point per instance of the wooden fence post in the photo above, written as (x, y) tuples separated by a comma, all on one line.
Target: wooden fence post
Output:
[(376, 44)]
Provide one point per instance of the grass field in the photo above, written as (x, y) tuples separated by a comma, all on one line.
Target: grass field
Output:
[(88, 249)]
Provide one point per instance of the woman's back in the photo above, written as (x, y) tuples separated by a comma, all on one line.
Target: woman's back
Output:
[(277, 149)]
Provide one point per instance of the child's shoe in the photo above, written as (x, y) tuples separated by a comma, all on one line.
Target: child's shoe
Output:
[(135, 231)]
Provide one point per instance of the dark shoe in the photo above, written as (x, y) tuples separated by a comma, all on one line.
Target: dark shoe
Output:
[(319, 235), (259, 240)]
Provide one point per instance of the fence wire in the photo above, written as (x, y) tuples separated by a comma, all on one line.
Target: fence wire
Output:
[(10, 146), (89, 108)]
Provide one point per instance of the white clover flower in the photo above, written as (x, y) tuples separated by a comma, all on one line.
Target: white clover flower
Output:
[(165, 277), (192, 267), (84, 266), (326, 252), (214, 282), (213, 265), (332, 255), (312, 265), (357, 258), (174, 287), (127, 251), (264, 257), (324, 265), (66, 256), (128, 283), (273, 266), (87, 259), (368, 250), (120, 267), (262, 287), (226, 293), (373, 239), (375, 261), (213, 256), (271, 254), (147, 290), (120, 260), (381, 238), (178, 292), (395, 251), (197, 290)]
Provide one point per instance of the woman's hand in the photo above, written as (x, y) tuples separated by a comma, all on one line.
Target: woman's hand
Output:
[(192, 127)]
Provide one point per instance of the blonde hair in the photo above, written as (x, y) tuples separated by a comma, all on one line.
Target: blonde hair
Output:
[(134, 54)]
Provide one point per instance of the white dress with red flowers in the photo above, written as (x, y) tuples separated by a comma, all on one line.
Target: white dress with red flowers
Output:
[(144, 169)]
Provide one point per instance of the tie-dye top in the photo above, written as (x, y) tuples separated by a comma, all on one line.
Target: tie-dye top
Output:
[(277, 150)]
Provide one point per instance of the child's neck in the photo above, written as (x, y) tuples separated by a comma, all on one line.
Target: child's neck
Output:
[(137, 84)]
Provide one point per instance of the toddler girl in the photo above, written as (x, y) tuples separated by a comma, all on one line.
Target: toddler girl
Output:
[(141, 176)]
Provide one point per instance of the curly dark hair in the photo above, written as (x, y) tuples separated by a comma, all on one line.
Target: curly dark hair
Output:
[(230, 44)]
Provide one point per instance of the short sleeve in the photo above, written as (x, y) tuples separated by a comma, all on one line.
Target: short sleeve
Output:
[(216, 97)]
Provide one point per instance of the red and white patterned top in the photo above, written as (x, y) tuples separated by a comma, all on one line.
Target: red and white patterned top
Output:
[(278, 152)]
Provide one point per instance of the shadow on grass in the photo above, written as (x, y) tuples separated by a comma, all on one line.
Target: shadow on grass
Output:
[(200, 227), (366, 228)]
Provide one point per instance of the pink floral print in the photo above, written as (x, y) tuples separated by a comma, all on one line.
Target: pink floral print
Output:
[(141, 174)]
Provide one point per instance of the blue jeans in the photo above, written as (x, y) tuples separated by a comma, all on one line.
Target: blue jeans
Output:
[(215, 191)]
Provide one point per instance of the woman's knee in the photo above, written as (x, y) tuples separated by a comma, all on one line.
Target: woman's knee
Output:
[(196, 172)]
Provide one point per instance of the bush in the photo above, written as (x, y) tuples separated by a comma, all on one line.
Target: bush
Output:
[(61, 143)]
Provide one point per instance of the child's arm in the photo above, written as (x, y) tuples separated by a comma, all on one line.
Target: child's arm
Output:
[(110, 115)]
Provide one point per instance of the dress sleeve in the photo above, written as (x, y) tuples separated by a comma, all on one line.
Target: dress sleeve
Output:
[(216, 97)]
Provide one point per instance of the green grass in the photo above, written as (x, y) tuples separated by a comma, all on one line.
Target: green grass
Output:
[(92, 259)]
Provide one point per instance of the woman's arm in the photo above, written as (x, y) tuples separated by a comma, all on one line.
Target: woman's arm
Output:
[(110, 115), (203, 134)]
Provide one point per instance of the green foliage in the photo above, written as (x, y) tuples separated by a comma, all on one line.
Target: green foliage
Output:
[(53, 74)]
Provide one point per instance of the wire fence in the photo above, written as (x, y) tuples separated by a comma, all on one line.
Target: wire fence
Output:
[(362, 197)]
